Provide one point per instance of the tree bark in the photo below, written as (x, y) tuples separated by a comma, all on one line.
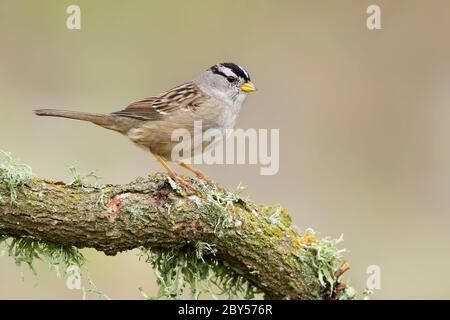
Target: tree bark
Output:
[(259, 242)]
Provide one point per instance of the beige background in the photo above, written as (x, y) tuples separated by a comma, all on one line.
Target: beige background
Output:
[(364, 118)]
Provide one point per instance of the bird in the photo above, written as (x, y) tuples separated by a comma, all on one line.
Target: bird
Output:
[(215, 97)]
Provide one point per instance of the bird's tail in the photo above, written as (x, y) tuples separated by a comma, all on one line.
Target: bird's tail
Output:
[(106, 121)]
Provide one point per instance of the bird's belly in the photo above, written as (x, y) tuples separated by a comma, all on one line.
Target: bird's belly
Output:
[(187, 132)]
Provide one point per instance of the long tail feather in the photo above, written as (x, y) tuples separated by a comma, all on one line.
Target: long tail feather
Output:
[(106, 121)]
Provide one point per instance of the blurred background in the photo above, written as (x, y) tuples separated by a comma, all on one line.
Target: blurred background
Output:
[(364, 119)]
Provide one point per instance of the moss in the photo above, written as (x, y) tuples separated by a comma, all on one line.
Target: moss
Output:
[(13, 175)]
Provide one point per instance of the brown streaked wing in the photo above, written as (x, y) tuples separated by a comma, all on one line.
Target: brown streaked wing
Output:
[(186, 96), (141, 110)]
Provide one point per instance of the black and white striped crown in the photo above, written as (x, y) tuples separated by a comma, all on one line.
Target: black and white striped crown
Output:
[(228, 69)]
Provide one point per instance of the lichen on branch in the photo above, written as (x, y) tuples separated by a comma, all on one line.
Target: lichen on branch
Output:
[(204, 241)]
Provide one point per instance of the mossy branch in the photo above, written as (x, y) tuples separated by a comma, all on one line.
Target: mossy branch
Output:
[(208, 236)]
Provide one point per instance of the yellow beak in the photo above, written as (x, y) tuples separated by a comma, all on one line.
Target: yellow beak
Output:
[(248, 87)]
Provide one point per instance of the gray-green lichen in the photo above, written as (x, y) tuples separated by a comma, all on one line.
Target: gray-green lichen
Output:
[(27, 250), (323, 257), (196, 269), (59, 258), (82, 180), (13, 175), (183, 268)]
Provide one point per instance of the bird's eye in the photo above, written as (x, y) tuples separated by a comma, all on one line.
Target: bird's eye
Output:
[(231, 79)]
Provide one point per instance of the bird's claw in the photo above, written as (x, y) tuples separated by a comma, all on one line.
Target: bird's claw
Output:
[(183, 183)]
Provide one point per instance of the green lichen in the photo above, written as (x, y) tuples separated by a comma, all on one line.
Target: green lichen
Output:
[(101, 200), (322, 257), (222, 205), (319, 258), (13, 175), (82, 180), (59, 258), (195, 269), (92, 288), (350, 294), (27, 250)]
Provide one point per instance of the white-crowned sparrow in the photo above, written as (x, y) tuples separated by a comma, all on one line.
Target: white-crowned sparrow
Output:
[(215, 98)]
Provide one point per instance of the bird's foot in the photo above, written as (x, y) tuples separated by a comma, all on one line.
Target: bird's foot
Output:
[(181, 182), (201, 176), (208, 180)]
